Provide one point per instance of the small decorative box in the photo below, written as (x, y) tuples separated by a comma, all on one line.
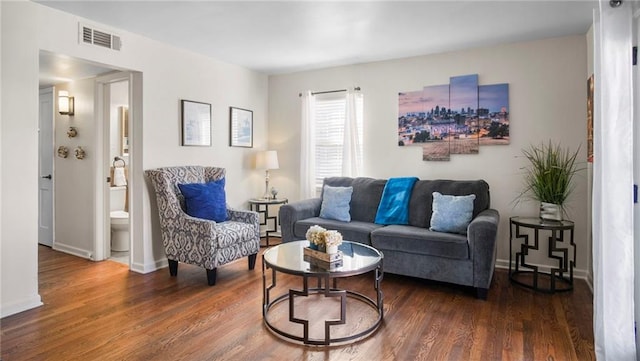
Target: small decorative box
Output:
[(325, 257), (329, 266)]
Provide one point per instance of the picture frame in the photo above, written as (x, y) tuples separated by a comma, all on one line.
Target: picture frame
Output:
[(240, 127), (196, 123)]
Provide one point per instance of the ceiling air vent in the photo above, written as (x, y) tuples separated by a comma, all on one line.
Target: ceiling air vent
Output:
[(90, 35)]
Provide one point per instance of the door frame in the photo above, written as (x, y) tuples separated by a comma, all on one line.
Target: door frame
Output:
[(48, 91), (102, 222)]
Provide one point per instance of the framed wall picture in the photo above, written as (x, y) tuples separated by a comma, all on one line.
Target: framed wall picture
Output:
[(196, 123), (241, 127)]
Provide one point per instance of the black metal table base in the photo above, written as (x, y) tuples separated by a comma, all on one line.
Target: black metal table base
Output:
[(327, 291), (556, 283), (558, 279), (262, 208)]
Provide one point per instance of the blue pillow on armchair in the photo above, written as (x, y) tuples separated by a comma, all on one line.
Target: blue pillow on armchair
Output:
[(451, 214), (205, 200)]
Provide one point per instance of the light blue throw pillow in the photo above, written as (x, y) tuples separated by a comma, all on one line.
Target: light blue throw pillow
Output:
[(335, 203), (451, 214)]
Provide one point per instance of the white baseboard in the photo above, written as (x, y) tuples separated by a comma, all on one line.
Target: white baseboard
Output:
[(577, 272), (149, 267), (82, 253), (20, 306), (590, 282)]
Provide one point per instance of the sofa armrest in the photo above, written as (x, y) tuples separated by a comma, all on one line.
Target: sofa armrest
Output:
[(290, 213), (245, 216), (482, 235)]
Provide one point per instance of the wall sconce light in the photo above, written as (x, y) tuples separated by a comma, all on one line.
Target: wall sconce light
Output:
[(65, 103)]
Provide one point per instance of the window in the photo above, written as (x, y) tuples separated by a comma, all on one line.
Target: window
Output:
[(330, 119)]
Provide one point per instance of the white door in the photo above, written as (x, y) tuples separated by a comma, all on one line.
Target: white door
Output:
[(45, 159)]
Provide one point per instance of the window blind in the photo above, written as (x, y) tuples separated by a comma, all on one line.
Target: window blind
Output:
[(330, 114)]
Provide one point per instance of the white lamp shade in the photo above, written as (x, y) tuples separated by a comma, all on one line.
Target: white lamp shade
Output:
[(267, 160)]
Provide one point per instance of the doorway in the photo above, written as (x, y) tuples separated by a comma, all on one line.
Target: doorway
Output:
[(118, 103), (116, 97), (89, 237)]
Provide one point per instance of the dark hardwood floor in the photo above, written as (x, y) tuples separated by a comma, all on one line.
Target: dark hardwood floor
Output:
[(102, 311)]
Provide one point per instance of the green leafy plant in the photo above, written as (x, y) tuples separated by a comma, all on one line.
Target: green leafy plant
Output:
[(549, 176)]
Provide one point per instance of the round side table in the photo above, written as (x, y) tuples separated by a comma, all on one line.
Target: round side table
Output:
[(261, 205), (528, 275)]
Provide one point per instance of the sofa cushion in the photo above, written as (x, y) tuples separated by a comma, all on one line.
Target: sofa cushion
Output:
[(451, 213), (419, 240), (422, 197), (353, 231), (365, 198), (335, 203)]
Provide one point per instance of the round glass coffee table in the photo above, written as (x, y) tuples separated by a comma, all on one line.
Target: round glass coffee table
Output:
[(312, 305)]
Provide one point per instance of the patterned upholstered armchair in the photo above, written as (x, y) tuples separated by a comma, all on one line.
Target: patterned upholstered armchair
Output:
[(199, 241)]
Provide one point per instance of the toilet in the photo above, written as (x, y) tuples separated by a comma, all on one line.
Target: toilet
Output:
[(119, 220)]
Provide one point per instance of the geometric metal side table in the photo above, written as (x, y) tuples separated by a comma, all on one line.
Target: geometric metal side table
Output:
[(261, 206), (559, 278)]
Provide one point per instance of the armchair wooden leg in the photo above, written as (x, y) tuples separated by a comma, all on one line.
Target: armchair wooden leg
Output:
[(173, 268), (211, 276), (252, 261)]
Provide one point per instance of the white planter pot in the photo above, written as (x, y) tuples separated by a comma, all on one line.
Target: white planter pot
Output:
[(550, 211), (332, 249)]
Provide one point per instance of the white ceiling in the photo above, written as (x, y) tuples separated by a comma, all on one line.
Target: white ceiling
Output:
[(288, 36), (58, 68)]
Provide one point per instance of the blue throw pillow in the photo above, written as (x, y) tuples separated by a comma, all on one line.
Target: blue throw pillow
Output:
[(205, 200), (451, 214), (335, 203)]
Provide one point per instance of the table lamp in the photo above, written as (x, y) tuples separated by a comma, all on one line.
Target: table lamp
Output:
[(267, 160)]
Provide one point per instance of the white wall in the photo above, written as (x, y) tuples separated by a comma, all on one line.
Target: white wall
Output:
[(19, 268), (547, 101), (169, 74), (74, 190)]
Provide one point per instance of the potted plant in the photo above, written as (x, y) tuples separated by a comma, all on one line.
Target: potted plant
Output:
[(549, 176)]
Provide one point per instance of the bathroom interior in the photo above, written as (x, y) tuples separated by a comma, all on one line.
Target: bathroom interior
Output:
[(119, 169)]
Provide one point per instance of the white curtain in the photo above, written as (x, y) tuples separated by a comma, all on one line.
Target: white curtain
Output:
[(351, 148), (307, 147), (612, 212)]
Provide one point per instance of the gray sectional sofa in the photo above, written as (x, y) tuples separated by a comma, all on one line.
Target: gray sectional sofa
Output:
[(411, 249)]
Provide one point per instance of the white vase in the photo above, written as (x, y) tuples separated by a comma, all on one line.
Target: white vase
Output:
[(550, 211), (332, 249)]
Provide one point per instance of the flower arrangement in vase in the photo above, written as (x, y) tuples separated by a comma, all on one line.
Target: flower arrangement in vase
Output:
[(323, 240), (332, 239)]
